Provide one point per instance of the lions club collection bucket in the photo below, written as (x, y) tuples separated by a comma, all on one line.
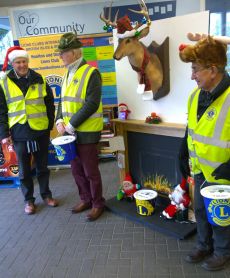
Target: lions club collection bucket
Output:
[(65, 147), (145, 201), (217, 204)]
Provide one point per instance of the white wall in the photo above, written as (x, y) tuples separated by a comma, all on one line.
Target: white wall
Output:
[(4, 12), (187, 6), (182, 6), (173, 107)]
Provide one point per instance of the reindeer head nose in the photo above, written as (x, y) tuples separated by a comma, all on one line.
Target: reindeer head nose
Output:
[(182, 47)]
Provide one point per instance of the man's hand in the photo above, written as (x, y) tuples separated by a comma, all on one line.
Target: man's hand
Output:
[(69, 129), (61, 128), (222, 171), (7, 140)]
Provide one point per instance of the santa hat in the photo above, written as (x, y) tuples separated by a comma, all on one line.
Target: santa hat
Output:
[(128, 178), (124, 28), (123, 107), (182, 186), (13, 53)]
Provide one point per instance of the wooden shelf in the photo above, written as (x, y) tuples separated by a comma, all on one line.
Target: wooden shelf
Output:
[(109, 113), (167, 129)]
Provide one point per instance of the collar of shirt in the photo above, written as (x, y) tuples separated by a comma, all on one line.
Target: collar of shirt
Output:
[(72, 69), (18, 77)]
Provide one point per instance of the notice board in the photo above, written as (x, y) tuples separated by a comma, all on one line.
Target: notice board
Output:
[(98, 51)]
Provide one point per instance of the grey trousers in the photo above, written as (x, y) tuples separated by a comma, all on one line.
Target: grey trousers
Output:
[(208, 236)]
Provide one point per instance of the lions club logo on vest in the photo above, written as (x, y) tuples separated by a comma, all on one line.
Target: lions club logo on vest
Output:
[(211, 113)]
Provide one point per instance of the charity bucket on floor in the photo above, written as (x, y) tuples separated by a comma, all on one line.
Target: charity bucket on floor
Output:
[(145, 201), (217, 204), (65, 147)]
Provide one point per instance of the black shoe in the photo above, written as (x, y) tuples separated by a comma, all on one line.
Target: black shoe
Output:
[(215, 262), (197, 255)]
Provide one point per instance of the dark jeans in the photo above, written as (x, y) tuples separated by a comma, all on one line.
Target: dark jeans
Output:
[(209, 236), (87, 175), (42, 172)]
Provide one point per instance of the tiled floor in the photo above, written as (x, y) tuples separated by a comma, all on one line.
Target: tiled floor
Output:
[(55, 243)]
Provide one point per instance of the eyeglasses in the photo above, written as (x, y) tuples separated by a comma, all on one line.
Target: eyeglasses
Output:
[(198, 69)]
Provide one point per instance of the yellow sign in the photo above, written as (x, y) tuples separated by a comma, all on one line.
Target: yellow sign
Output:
[(43, 57)]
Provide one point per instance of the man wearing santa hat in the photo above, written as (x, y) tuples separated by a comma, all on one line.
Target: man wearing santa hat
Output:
[(26, 118)]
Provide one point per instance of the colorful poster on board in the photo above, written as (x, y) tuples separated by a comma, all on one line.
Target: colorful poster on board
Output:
[(97, 51)]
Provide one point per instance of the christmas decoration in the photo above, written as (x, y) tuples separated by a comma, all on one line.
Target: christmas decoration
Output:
[(123, 111), (127, 189), (153, 119), (180, 200)]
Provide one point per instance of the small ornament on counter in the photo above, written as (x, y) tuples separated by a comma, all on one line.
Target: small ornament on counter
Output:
[(153, 119), (127, 189), (123, 111)]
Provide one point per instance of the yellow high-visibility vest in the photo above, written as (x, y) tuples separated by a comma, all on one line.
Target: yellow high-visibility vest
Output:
[(73, 97), (30, 108), (209, 138)]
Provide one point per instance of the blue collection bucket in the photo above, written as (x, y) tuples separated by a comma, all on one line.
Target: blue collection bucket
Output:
[(217, 204), (65, 147)]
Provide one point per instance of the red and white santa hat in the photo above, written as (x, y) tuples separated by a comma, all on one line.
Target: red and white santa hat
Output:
[(123, 106), (128, 178), (182, 186), (13, 53), (124, 28)]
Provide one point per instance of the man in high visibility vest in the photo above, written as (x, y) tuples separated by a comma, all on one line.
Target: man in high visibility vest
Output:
[(80, 113), (207, 144), (26, 118)]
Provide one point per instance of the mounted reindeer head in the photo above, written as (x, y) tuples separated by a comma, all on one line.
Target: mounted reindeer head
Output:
[(147, 64)]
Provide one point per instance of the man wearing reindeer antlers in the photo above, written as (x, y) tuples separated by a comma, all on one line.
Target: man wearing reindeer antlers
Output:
[(80, 113), (207, 143)]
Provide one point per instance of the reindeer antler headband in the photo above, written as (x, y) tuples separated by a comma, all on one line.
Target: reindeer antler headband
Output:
[(207, 51)]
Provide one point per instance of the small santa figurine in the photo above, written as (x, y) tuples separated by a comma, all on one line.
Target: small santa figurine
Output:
[(180, 200), (128, 188), (123, 111)]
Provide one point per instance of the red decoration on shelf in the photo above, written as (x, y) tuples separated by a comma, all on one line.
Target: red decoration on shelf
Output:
[(153, 119)]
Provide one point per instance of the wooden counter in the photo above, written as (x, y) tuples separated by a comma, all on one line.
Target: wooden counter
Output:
[(167, 129)]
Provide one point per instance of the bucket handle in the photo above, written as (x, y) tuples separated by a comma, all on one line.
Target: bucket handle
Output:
[(201, 186)]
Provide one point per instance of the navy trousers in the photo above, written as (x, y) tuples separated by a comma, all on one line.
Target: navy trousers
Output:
[(42, 171), (87, 176), (209, 236)]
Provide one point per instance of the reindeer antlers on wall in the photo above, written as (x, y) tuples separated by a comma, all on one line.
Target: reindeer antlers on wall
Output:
[(198, 36), (109, 24), (143, 11)]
